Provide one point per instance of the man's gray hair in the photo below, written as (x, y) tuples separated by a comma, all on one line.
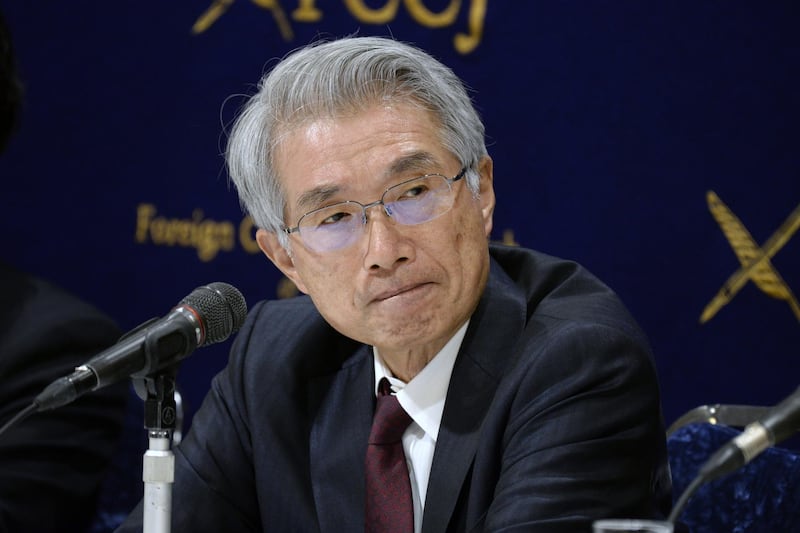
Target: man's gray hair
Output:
[(336, 78)]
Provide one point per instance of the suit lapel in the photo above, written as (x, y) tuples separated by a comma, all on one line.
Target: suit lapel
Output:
[(484, 354), (339, 435)]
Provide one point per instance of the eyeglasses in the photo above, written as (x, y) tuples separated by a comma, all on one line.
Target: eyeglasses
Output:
[(411, 202)]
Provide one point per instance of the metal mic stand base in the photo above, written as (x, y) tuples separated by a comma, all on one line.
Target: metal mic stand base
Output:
[(158, 474), (158, 464)]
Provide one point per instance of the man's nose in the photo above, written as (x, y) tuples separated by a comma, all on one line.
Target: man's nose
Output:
[(386, 244)]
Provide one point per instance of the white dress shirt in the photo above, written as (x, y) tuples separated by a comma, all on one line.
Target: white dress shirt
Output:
[(423, 399)]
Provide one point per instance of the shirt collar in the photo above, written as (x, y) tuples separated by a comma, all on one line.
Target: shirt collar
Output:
[(423, 397)]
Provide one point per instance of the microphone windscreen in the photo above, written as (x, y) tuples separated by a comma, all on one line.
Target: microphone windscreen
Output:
[(221, 308)]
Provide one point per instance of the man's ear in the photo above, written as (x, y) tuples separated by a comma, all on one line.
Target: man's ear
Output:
[(486, 191), (280, 257)]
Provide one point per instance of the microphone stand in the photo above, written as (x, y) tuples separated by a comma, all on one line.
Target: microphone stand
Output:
[(158, 468)]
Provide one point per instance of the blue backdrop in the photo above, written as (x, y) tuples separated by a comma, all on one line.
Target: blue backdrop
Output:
[(609, 122)]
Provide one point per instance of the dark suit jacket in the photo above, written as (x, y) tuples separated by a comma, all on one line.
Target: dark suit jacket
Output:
[(52, 463), (552, 418)]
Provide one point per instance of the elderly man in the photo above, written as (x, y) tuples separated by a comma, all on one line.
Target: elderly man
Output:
[(519, 393)]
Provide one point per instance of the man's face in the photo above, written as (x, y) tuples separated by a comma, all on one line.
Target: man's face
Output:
[(404, 289)]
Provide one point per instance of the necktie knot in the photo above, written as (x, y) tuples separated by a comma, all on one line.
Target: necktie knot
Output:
[(391, 420)]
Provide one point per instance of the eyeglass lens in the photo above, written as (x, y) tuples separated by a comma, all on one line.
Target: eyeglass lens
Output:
[(409, 203)]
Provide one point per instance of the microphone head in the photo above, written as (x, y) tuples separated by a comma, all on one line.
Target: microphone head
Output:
[(221, 309)]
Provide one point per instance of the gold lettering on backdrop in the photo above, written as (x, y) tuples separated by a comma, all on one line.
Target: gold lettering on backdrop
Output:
[(144, 213), (219, 7), (381, 15), (210, 16), (755, 262), (427, 18), (247, 236), (508, 238), (466, 43), (286, 288), (307, 12), (279, 15), (207, 236)]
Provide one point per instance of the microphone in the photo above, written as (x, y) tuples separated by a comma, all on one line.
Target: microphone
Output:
[(206, 316), (778, 424)]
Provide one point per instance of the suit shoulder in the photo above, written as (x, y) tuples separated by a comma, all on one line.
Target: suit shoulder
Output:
[(291, 335), (40, 321), (563, 292)]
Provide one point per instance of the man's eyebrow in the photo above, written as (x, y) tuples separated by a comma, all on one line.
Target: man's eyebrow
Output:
[(315, 197), (418, 161)]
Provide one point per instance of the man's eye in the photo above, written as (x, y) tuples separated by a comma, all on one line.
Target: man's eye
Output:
[(414, 192), (336, 218)]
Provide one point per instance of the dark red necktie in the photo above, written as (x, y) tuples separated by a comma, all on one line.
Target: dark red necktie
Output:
[(389, 508)]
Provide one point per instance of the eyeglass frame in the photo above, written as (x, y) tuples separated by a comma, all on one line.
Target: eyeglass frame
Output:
[(296, 229)]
